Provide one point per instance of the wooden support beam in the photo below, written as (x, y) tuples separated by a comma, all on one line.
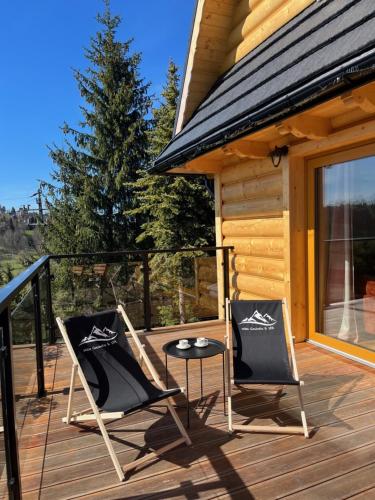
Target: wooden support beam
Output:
[(287, 429), (363, 98), (306, 127), (201, 165), (153, 454), (83, 418), (347, 137), (247, 149)]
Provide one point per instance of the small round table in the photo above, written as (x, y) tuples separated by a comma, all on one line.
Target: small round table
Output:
[(213, 348)]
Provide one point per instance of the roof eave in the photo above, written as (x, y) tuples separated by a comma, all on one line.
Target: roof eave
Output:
[(322, 88)]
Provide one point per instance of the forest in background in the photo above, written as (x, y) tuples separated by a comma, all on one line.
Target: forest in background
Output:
[(102, 197), (20, 241)]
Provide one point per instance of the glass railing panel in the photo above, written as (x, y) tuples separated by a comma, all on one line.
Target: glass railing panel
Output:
[(43, 285), (183, 287), (86, 286), (24, 368), (3, 470)]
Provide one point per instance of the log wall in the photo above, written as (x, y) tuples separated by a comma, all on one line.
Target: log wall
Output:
[(206, 284), (254, 219), (254, 21)]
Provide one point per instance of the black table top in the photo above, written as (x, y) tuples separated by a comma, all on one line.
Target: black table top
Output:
[(213, 348)]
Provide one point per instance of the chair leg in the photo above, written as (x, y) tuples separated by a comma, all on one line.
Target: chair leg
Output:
[(303, 414), (229, 388), (178, 422), (230, 423), (71, 393), (109, 446)]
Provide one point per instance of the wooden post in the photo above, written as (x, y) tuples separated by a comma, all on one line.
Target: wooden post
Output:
[(298, 247), (219, 243)]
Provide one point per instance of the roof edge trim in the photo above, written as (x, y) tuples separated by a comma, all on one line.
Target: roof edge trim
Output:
[(179, 122)]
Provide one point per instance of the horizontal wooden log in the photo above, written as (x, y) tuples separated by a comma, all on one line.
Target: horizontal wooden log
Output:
[(244, 170), (247, 25), (236, 294), (259, 286), (269, 25), (208, 302), (269, 185), (256, 266), (258, 207), (243, 9), (259, 247), (253, 227), (207, 274), (206, 261), (207, 287), (216, 19)]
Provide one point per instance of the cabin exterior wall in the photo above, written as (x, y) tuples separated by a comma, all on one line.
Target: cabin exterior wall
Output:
[(252, 202)]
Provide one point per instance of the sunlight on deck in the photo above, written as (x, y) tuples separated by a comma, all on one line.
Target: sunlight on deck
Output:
[(60, 461)]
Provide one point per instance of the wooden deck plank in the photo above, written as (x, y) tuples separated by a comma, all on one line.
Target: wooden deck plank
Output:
[(61, 461), (356, 476), (242, 459), (308, 481)]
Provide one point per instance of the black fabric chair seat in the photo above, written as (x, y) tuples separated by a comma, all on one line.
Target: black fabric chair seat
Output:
[(138, 406), (261, 357), (116, 380), (260, 354), (241, 381)]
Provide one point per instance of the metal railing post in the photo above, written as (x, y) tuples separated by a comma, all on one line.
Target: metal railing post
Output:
[(49, 309), (146, 293), (226, 273), (9, 407), (38, 336)]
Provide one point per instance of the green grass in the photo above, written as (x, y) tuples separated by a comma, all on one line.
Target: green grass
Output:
[(13, 263)]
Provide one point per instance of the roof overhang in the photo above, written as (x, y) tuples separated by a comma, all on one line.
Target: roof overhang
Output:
[(322, 53)]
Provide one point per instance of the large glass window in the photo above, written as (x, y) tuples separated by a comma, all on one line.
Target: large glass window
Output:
[(345, 251)]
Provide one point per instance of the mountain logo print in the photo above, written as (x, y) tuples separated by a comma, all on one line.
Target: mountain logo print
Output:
[(259, 319), (98, 335)]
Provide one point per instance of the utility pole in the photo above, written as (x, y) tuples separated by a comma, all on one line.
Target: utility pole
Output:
[(38, 196)]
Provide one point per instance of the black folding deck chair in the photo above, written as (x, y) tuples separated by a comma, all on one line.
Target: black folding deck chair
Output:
[(257, 345), (112, 377)]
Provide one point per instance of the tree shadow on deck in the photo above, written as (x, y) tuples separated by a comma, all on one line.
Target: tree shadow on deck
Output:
[(186, 463), (323, 395)]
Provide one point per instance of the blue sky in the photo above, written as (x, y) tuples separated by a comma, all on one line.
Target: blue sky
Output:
[(41, 42)]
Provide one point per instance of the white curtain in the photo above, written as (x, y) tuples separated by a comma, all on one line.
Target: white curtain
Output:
[(339, 316)]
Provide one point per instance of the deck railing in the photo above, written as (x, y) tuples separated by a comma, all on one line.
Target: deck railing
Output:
[(70, 284)]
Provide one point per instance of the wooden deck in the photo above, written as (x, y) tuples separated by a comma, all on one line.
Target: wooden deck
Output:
[(70, 461)]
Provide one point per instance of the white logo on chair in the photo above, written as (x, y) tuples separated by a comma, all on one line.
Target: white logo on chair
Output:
[(259, 319), (98, 335)]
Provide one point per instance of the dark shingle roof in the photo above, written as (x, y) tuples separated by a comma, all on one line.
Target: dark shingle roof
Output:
[(323, 51)]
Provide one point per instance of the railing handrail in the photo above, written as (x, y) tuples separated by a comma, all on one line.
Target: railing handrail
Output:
[(137, 252), (32, 276), (11, 289)]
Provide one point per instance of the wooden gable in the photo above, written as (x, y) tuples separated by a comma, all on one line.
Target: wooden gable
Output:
[(224, 31)]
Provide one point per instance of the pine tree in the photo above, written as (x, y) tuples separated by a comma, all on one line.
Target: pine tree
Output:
[(178, 210), (100, 159)]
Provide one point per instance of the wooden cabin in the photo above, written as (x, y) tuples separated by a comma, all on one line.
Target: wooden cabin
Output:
[(278, 106)]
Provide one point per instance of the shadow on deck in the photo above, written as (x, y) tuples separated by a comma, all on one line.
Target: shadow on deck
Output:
[(60, 461)]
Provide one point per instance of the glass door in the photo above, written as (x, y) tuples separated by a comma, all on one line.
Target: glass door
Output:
[(342, 254)]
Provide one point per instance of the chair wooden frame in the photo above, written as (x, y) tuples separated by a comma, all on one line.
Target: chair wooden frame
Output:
[(229, 353), (96, 414)]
